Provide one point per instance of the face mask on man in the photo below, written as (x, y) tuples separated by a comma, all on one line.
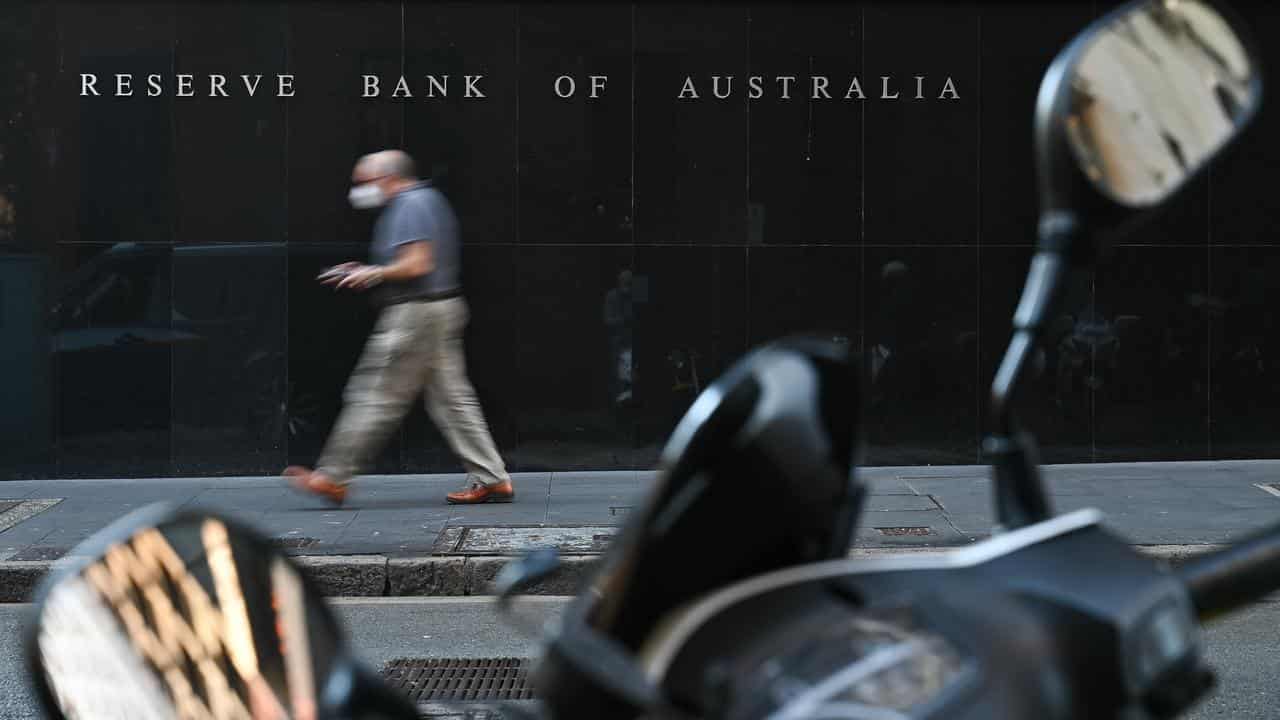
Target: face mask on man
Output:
[(366, 196)]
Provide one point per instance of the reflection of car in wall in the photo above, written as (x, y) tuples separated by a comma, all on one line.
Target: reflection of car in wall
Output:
[(112, 338), (150, 336)]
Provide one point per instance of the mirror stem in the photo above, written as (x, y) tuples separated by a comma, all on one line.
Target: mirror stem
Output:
[(1006, 380), (1020, 497), (1045, 277)]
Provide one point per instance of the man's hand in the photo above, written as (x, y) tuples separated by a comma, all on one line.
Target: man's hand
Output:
[(412, 261), (334, 275), (362, 278)]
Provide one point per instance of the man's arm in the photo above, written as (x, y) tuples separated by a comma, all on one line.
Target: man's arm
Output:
[(412, 231), (413, 260)]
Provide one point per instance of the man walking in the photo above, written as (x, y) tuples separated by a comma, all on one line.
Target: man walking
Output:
[(417, 342)]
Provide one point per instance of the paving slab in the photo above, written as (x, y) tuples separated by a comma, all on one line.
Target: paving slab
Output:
[(513, 540), (581, 497)]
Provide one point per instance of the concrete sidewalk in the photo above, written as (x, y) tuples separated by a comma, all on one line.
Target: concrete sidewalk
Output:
[(397, 536)]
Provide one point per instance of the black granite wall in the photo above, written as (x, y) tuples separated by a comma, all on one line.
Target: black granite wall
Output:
[(159, 315)]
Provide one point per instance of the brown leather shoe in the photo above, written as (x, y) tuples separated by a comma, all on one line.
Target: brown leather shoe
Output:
[(478, 493), (306, 480)]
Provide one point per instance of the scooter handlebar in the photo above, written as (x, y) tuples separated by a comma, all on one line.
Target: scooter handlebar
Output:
[(1241, 574)]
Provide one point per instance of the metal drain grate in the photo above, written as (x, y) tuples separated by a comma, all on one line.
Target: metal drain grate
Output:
[(468, 714), (460, 679), (898, 531)]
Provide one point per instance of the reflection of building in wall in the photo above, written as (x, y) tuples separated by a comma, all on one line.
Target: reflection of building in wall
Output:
[(27, 422), (1151, 104)]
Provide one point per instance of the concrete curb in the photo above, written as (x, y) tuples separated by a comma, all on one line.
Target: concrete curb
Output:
[(456, 576), (18, 578)]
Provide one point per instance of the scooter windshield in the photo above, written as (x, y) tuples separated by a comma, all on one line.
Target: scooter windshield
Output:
[(757, 476)]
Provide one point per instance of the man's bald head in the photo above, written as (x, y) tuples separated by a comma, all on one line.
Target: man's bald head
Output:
[(391, 171), (386, 164)]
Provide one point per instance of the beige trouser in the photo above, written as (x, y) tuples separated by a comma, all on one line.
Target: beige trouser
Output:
[(415, 346)]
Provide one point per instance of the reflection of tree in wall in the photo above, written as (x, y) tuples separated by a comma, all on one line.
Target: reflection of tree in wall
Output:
[(16, 84)]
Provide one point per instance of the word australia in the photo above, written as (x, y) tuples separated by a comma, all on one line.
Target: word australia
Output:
[(817, 87)]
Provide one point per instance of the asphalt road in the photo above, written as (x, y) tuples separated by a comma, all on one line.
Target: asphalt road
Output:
[(1243, 647), (381, 629)]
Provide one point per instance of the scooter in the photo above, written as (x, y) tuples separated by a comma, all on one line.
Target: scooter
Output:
[(182, 614)]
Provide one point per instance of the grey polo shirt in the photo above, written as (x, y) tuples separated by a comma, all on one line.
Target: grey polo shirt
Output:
[(414, 215)]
